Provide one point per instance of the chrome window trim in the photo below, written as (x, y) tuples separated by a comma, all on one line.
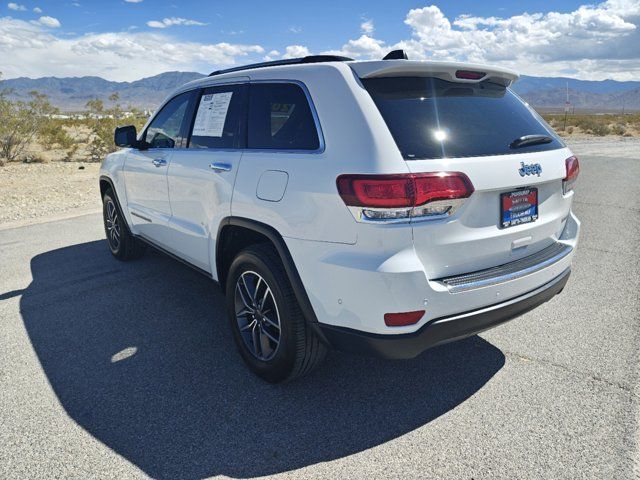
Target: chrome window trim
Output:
[(191, 88), (243, 81)]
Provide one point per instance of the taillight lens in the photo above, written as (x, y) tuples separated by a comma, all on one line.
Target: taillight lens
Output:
[(376, 191), (403, 196), (573, 170)]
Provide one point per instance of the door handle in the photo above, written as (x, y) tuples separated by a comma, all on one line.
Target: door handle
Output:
[(159, 162), (220, 167)]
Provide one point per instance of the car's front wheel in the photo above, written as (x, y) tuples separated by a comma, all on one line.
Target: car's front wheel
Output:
[(122, 244), (268, 326)]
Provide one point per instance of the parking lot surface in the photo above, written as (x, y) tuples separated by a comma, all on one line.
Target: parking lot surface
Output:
[(116, 370)]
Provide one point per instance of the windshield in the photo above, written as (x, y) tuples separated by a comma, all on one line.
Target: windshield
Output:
[(433, 118)]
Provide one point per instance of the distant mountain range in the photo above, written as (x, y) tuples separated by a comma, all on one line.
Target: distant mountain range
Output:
[(603, 95), (72, 94)]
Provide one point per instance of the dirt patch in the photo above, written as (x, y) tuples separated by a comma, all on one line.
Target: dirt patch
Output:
[(37, 190), (620, 147)]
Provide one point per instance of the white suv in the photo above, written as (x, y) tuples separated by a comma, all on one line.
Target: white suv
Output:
[(380, 207)]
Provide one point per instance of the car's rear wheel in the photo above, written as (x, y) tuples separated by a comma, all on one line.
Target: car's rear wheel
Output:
[(268, 326), (122, 244)]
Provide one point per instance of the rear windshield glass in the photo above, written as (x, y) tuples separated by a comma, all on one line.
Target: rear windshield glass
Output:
[(433, 118)]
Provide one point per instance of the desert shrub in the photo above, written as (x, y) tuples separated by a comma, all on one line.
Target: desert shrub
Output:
[(616, 124), (600, 130), (102, 122), (21, 123), (55, 134), (585, 123), (618, 129)]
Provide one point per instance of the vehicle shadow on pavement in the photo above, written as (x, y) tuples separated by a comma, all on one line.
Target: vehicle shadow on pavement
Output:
[(140, 355)]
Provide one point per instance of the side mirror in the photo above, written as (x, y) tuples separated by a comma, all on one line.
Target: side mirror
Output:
[(126, 136)]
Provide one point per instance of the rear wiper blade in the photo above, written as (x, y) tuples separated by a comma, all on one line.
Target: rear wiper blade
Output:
[(528, 140)]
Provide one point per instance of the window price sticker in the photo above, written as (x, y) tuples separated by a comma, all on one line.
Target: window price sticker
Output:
[(212, 113)]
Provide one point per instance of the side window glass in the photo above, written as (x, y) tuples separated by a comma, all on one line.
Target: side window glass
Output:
[(219, 116), (168, 127), (280, 118)]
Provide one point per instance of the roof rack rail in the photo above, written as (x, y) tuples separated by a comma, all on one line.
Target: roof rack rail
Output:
[(288, 61)]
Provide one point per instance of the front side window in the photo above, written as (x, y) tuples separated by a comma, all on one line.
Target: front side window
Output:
[(219, 118), (280, 118), (433, 118), (168, 128)]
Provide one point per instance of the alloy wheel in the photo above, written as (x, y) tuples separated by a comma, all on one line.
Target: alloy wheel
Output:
[(257, 315), (113, 227)]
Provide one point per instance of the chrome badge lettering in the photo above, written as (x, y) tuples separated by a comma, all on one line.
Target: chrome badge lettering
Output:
[(532, 169)]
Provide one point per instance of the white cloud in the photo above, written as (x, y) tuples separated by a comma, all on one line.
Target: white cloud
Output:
[(364, 47), (294, 29), (593, 41), (133, 1), (30, 50), (295, 51), (16, 7), (37, 10), (272, 55), (170, 22), (48, 22), (367, 27)]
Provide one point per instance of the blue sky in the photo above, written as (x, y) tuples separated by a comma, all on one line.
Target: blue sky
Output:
[(126, 40)]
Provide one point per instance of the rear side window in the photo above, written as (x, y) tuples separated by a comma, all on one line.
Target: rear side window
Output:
[(168, 128), (219, 118), (433, 118), (280, 118)]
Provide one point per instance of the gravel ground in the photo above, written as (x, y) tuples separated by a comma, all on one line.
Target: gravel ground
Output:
[(620, 147), (127, 370), (30, 192)]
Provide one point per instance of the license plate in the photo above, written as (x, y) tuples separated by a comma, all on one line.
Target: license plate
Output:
[(518, 207)]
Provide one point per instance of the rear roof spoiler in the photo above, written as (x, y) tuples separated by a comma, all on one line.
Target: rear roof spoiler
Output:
[(450, 71)]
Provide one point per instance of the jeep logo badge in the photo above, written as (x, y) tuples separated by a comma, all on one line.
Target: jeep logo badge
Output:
[(532, 169)]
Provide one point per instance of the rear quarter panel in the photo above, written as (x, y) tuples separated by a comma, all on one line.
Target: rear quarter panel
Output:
[(356, 140)]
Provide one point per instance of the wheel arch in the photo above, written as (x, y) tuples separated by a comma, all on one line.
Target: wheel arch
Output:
[(257, 232), (107, 183)]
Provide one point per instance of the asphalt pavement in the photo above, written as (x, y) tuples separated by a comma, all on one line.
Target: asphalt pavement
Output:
[(118, 370)]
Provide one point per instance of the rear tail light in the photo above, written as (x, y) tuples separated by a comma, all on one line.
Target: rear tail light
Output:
[(402, 319), (404, 196), (469, 75), (573, 169)]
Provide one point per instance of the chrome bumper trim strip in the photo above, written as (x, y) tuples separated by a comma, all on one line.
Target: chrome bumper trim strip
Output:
[(507, 272)]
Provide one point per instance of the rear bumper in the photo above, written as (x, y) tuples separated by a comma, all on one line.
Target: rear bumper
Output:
[(441, 330), (353, 286)]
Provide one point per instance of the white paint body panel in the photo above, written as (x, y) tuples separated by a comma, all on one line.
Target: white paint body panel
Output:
[(147, 193), (200, 199)]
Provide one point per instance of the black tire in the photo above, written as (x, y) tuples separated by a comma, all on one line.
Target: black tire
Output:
[(122, 244), (299, 350)]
